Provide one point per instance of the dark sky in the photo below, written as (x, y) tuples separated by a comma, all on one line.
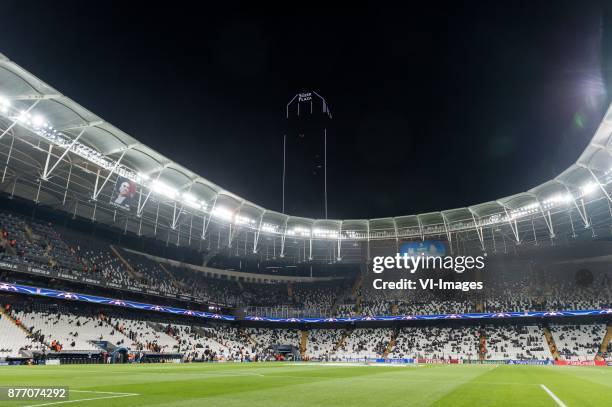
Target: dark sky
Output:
[(433, 107)]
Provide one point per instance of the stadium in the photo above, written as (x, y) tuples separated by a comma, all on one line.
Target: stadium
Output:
[(128, 279)]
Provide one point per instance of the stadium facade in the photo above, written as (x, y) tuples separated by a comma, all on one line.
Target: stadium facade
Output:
[(59, 154)]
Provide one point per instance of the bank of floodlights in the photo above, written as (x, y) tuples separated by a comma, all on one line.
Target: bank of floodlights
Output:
[(5, 104)]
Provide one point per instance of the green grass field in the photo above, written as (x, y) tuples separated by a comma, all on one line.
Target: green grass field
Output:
[(277, 384)]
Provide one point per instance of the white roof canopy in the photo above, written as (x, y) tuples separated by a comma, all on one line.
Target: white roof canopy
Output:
[(25, 93)]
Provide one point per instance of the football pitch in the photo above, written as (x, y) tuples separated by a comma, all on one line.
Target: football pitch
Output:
[(284, 384)]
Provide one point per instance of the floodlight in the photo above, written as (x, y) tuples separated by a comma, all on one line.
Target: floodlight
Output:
[(193, 204), (163, 189), (191, 200), (223, 213), (588, 188), (4, 104), (325, 233), (23, 116), (189, 197), (38, 121), (300, 231), (268, 227), (243, 220)]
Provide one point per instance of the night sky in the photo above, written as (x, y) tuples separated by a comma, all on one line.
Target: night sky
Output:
[(433, 108)]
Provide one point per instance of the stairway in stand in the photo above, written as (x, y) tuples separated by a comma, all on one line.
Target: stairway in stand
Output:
[(551, 343), (482, 344), (391, 343), (340, 343), (132, 273), (603, 348), (303, 343)]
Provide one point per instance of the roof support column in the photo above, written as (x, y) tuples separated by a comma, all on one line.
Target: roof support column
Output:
[(176, 216), (448, 234), (535, 236), (8, 158), (310, 246), (44, 174), (67, 184), (141, 207), (203, 237), (236, 229), (546, 216), (156, 220), (97, 181), (139, 201), (283, 237), (584, 214), (581, 211), (572, 224), (549, 224), (396, 235), (339, 256), (97, 192), (48, 172), (420, 228), (479, 230), (14, 185), (256, 237), (512, 222), (36, 201), (603, 189), (175, 219), (210, 214)]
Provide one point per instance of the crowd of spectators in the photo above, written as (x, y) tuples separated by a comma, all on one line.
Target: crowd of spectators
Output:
[(59, 329), (40, 244)]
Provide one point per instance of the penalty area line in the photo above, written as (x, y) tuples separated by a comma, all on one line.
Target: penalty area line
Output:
[(553, 396)]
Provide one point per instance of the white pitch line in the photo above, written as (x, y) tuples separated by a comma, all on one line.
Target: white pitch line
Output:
[(553, 396), (104, 392), (114, 396)]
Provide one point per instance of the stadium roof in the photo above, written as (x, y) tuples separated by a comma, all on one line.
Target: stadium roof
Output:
[(33, 111)]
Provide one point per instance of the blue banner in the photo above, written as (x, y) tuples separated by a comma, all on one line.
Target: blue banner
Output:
[(46, 292), (471, 316)]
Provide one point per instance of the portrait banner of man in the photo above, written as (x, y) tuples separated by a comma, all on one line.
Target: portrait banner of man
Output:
[(123, 193)]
